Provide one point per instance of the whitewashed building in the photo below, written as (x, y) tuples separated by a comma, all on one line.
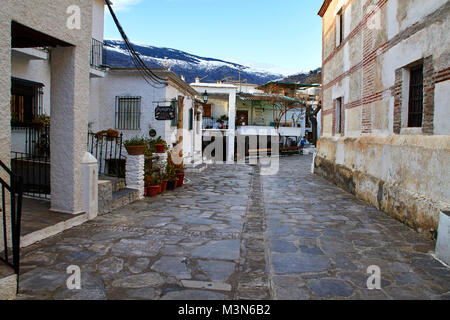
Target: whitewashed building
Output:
[(124, 101), (236, 110), (45, 65)]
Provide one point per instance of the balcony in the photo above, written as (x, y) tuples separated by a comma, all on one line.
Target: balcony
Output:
[(97, 66)]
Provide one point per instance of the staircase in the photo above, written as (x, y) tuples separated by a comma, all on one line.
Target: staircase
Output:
[(113, 194)]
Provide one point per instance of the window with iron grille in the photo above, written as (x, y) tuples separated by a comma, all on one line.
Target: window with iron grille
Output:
[(415, 105), (26, 100), (128, 113)]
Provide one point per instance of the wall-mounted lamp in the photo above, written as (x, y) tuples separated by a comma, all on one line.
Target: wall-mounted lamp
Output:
[(205, 97)]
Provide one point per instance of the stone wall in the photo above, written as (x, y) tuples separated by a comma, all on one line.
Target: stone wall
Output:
[(404, 176), (134, 175)]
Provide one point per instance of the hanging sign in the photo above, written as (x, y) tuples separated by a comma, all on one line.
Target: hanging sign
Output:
[(165, 113)]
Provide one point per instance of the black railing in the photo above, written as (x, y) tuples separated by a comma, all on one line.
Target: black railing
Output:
[(35, 173), (11, 217), (96, 54), (30, 138), (108, 152), (30, 158)]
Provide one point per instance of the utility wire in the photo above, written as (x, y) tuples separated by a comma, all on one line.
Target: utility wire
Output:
[(149, 76)]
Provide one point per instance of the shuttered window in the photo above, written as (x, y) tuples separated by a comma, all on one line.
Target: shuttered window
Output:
[(174, 122), (191, 119), (128, 113)]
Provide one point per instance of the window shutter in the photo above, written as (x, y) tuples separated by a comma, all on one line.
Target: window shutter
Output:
[(174, 122), (191, 119)]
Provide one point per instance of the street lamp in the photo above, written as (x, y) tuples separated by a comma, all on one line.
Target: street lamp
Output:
[(205, 97)]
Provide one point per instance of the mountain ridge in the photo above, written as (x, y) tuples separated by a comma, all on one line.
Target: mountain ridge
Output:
[(184, 64)]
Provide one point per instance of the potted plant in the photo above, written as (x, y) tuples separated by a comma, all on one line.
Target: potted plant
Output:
[(171, 176), (136, 146), (180, 175), (154, 185), (41, 121), (160, 145), (164, 181)]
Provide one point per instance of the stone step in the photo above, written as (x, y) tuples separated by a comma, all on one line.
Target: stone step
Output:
[(196, 168), (8, 282), (123, 197), (117, 184)]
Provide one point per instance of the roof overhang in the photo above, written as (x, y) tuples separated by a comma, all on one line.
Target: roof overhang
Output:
[(26, 37), (324, 7)]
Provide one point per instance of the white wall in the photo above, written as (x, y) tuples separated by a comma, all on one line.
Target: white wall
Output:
[(33, 70), (123, 83), (130, 83), (98, 17), (442, 108)]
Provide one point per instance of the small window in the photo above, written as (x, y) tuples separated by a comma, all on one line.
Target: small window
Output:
[(26, 100), (339, 115), (415, 105), (128, 113), (339, 28)]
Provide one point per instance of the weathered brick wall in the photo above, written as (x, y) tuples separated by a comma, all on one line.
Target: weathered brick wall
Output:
[(428, 96)]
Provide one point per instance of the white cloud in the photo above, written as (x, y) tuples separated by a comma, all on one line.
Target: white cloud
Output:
[(123, 5)]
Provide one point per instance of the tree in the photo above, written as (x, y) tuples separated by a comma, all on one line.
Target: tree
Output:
[(312, 116)]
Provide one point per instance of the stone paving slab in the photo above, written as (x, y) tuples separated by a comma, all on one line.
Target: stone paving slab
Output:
[(322, 240), (233, 234)]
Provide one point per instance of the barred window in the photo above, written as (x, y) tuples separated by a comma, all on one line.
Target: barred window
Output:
[(128, 113), (415, 108)]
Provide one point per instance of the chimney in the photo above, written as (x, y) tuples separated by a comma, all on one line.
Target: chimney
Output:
[(182, 78), (197, 80)]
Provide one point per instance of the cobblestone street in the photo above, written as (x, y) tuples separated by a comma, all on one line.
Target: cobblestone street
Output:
[(231, 233)]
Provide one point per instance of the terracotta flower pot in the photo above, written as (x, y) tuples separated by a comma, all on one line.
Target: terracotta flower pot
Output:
[(135, 150), (153, 190), (164, 185), (160, 148), (171, 184), (180, 176)]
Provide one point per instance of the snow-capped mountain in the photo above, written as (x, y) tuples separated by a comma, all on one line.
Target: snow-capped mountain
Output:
[(183, 64)]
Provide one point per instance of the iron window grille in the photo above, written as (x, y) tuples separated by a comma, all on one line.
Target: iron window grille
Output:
[(128, 113), (415, 105), (26, 100)]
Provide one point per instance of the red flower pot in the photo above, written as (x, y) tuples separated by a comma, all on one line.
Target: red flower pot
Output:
[(164, 185), (153, 190), (180, 176), (160, 148)]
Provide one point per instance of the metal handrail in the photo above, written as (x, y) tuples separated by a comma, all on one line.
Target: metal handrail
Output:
[(15, 189)]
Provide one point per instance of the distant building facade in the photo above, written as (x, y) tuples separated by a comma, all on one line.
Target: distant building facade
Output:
[(386, 110)]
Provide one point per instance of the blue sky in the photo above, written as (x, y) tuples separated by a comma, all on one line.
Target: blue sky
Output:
[(282, 36)]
